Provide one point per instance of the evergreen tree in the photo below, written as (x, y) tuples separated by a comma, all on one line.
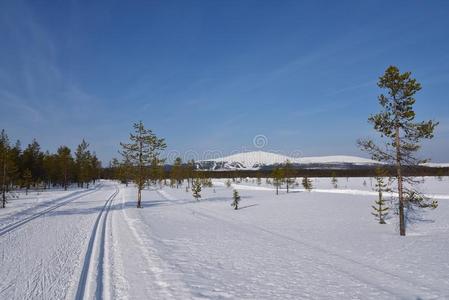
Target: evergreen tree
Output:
[(83, 163), (143, 150), (236, 198), (122, 170), (8, 168), (33, 159), (278, 177), (157, 172), (51, 173), (334, 180), (259, 181), (95, 168), (396, 123), (196, 188), (172, 182), (177, 172), (27, 178), (288, 174), (207, 182), (380, 207), (307, 184), (189, 171), (15, 162), (228, 183), (65, 164)]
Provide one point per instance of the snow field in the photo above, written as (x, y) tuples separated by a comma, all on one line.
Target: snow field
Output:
[(296, 245), (301, 245)]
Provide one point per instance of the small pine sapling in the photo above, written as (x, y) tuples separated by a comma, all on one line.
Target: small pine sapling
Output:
[(334, 180), (236, 201), (278, 178), (307, 184), (380, 207), (196, 189), (228, 183)]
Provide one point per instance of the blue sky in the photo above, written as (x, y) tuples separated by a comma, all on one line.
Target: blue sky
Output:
[(210, 75)]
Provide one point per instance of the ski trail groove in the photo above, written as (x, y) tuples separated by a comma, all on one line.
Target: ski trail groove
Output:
[(14, 225), (82, 284)]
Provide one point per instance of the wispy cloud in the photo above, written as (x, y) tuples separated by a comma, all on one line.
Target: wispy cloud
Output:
[(41, 87), (18, 107)]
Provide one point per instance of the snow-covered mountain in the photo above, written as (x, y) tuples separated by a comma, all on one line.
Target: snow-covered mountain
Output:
[(254, 160)]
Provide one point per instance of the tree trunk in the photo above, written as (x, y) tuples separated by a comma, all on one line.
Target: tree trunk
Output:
[(65, 179), (4, 181), (139, 197), (400, 184)]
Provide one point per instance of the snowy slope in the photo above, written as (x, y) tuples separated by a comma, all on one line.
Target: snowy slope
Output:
[(436, 165), (257, 159)]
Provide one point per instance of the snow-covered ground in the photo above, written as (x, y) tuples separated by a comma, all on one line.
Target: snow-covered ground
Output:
[(320, 244)]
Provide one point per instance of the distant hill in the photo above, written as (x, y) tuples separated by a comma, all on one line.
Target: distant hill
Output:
[(258, 160)]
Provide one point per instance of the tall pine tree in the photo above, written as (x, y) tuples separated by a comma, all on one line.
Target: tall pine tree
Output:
[(396, 124), (143, 150)]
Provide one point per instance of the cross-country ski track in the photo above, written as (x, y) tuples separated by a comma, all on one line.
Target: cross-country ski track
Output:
[(92, 272), (43, 252), (56, 203)]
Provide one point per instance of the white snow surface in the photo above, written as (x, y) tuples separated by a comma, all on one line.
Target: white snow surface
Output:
[(257, 158), (323, 244), (436, 165)]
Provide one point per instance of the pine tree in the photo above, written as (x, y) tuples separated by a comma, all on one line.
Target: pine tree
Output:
[(177, 172), (95, 168), (380, 208), (157, 172), (259, 181), (196, 188), (122, 170), (278, 177), (236, 198), (334, 180), (82, 162), (396, 124), (207, 182), (65, 163), (288, 174), (27, 178), (189, 171), (307, 184), (143, 150), (8, 168), (228, 183), (33, 159), (172, 182)]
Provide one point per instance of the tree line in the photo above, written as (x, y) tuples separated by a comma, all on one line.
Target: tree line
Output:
[(33, 168)]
